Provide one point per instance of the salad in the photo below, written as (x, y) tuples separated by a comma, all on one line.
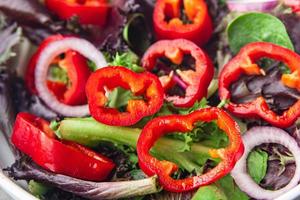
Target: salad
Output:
[(142, 99)]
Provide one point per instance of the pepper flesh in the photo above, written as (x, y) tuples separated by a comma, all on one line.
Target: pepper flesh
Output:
[(93, 12), (108, 78), (194, 81), (77, 70), (259, 108), (168, 25), (161, 126), (33, 136)]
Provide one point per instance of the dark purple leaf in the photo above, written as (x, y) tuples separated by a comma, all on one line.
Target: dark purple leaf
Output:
[(292, 24), (278, 96)]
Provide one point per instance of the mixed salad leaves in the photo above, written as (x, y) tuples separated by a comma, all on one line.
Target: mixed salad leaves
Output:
[(143, 99)]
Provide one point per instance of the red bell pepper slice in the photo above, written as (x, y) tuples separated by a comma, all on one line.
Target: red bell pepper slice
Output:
[(161, 126), (244, 63), (194, 81), (142, 84), (93, 12), (169, 25), (77, 71), (33, 136)]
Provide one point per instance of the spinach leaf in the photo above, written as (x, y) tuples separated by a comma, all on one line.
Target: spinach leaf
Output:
[(257, 165), (254, 27), (230, 189), (209, 192), (223, 189)]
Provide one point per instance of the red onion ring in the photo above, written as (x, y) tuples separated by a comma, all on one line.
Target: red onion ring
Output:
[(43, 63), (253, 138), (251, 5)]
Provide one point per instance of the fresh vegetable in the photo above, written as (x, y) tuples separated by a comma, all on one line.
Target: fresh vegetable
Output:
[(137, 42), (258, 5), (168, 124), (257, 136), (191, 78), (37, 189), (33, 137), (258, 160), (270, 87), (77, 73), (29, 76), (50, 52), (88, 11), (244, 63), (143, 84), (292, 24), (209, 192), (87, 131), (191, 21), (91, 190), (261, 27)]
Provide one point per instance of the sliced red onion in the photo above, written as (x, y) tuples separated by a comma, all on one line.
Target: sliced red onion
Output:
[(47, 55), (251, 5), (253, 138)]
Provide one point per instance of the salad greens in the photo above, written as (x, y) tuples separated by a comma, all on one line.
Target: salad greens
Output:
[(210, 192), (126, 37), (257, 165), (260, 27)]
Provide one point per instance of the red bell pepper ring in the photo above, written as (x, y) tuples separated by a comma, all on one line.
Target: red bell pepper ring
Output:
[(161, 126), (194, 81), (142, 84), (168, 25), (77, 70), (93, 12), (244, 63), (33, 136)]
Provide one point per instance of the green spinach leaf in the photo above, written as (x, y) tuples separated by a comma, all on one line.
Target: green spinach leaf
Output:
[(209, 192), (254, 27), (257, 165), (230, 189)]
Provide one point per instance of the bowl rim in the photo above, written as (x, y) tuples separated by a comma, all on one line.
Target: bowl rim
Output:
[(13, 189), (18, 193)]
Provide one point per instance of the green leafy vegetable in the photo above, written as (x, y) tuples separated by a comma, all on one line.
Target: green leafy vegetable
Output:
[(230, 189), (92, 66), (254, 27), (89, 132), (128, 60), (209, 192), (197, 105), (58, 74), (257, 165), (135, 35), (38, 189), (223, 189), (119, 97)]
